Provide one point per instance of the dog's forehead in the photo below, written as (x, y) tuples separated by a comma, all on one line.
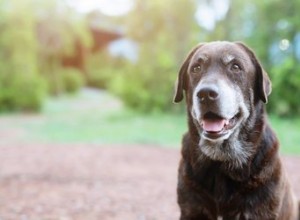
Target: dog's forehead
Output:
[(224, 51)]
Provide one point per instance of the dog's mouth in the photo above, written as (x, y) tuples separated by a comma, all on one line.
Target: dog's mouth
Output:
[(215, 126)]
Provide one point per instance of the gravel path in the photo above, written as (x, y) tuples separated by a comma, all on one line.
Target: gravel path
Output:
[(92, 182)]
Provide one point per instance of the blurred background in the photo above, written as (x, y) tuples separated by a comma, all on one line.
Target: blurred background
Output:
[(88, 129), (103, 71)]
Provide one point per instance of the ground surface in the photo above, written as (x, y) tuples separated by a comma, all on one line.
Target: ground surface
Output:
[(92, 182), (55, 181)]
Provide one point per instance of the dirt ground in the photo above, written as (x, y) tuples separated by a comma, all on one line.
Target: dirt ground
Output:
[(89, 182)]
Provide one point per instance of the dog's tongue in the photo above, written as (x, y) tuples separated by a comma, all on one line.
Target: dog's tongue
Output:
[(213, 125)]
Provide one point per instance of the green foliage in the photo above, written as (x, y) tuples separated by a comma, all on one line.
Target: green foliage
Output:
[(147, 85), (22, 93), (65, 80), (166, 33), (71, 119), (21, 86), (99, 78), (164, 36), (55, 83), (34, 37), (59, 31), (73, 80), (284, 99), (263, 25), (101, 69)]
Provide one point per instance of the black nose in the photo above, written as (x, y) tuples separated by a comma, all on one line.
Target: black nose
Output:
[(208, 93)]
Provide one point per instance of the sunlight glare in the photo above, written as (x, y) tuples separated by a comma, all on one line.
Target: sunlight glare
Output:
[(107, 7), (208, 13)]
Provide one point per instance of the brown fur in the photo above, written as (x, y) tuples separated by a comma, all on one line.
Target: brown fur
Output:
[(210, 189)]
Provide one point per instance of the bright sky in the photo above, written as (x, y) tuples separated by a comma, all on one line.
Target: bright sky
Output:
[(208, 13), (107, 7)]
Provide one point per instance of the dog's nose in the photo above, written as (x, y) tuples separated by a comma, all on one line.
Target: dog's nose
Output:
[(208, 93)]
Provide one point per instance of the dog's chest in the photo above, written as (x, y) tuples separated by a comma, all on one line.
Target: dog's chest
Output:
[(224, 191)]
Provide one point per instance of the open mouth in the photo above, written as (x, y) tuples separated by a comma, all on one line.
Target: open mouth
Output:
[(215, 126)]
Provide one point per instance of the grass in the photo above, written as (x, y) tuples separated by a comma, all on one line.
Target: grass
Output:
[(100, 118), (97, 117), (288, 133)]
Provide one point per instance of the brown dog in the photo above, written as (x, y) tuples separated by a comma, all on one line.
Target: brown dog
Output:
[(230, 168)]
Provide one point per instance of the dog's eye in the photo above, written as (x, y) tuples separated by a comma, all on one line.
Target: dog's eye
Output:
[(196, 69), (235, 67)]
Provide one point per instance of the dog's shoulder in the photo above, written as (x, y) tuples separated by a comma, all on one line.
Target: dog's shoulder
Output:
[(267, 151)]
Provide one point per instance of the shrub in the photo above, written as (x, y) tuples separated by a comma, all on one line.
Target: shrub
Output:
[(100, 77), (284, 99), (63, 80), (101, 68), (54, 82), (147, 85), (72, 80), (22, 93)]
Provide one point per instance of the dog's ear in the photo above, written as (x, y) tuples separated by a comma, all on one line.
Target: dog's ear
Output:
[(263, 83), (181, 83)]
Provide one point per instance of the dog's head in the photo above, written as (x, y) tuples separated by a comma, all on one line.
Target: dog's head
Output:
[(223, 83)]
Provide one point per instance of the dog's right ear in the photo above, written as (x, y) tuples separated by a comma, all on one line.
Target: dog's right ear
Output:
[(181, 83)]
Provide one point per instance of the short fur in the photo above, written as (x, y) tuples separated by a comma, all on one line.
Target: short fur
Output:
[(240, 176)]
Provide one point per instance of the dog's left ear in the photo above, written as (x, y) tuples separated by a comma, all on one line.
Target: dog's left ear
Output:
[(181, 83), (264, 85)]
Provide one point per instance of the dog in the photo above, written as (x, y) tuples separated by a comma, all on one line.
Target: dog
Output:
[(230, 167)]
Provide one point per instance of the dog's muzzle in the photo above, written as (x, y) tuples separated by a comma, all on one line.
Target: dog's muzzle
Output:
[(215, 109)]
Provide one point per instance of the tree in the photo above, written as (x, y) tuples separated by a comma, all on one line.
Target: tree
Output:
[(59, 30), (21, 87), (271, 28), (165, 32)]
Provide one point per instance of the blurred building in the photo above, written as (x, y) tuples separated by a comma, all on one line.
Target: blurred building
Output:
[(100, 38)]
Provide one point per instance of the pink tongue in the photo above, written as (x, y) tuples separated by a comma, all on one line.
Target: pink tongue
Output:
[(214, 125)]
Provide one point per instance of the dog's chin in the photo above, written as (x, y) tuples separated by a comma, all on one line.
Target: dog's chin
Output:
[(214, 130)]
